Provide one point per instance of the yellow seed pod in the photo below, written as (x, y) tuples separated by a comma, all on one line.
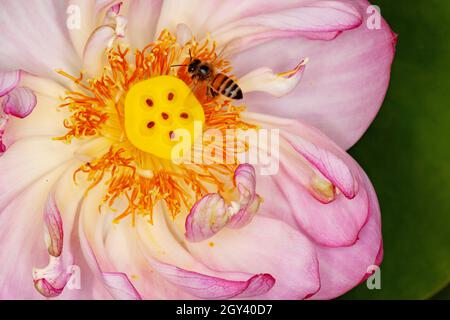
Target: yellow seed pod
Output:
[(155, 109)]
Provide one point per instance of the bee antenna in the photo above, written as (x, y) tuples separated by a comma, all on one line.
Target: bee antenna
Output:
[(178, 65)]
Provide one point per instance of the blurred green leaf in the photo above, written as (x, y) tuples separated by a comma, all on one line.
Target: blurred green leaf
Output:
[(406, 153)]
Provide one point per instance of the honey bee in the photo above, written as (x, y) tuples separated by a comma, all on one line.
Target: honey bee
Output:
[(217, 83)]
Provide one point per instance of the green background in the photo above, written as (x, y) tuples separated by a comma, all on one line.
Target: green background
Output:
[(406, 153)]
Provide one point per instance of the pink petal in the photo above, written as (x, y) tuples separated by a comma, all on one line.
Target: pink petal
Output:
[(86, 12), (135, 252), (25, 27), (117, 283), (142, 18), (28, 160), (8, 81), (23, 248), (20, 102), (120, 249), (327, 162), (208, 287), (335, 222), (310, 20), (115, 9), (207, 217), (121, 286), (341, 269), (174, 12), (343, 86), (245, 179), (94, 56), (90, 14), (102, 5), (265, 246)]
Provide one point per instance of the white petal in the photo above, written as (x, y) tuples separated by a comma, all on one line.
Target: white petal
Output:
[(265, 80)]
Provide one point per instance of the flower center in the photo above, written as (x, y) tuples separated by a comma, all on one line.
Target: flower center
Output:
[(156, 109), (138, 105)]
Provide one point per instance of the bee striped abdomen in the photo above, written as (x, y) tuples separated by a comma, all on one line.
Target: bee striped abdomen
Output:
[(226, 86)]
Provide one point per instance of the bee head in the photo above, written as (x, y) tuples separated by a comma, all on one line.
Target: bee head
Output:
[(192, 67)]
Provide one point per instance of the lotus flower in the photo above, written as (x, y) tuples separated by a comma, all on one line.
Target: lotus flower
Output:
[(120, 220)]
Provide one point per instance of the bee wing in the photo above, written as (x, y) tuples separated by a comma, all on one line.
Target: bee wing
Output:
[(223, 52)]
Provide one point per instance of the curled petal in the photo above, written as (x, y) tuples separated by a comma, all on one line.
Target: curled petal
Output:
[(50, 281), (246, 213), (17, 281), (21, 226), (115, 9), (115, 20), (209, 287), (211, 214), (54, 228), (245, 179), (265, 80), (8, 81), (118, 22), (2, 148), (328, 163), (46, 288), (207, 217), (20, 102), (47, 119)]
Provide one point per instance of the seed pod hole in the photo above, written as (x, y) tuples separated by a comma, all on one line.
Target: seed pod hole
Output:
[(184, 115)]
